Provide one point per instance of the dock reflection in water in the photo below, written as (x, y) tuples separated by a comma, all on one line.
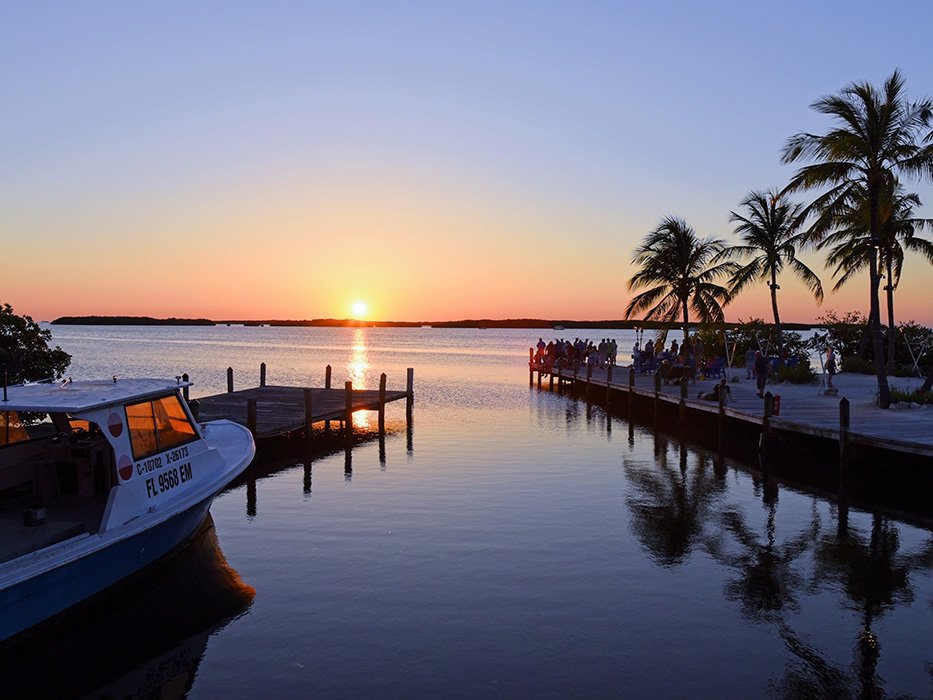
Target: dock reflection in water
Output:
[(144, 640), (679, 506)]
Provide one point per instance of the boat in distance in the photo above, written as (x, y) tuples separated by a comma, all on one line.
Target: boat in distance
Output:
[(98, 480)]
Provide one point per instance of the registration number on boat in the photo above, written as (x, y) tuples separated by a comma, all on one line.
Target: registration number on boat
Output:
[(168, 479)]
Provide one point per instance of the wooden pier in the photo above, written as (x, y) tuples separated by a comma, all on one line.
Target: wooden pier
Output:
[(275, 411), (786, 410)]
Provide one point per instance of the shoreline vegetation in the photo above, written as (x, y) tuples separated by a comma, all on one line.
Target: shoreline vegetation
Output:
[(355, 323)]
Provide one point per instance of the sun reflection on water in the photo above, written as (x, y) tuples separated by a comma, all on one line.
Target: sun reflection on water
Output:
[(357, 369)]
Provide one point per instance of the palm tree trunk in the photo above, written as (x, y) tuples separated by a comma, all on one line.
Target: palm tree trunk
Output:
[(892, 331), (777, 315), (874, 317), (686, 324)]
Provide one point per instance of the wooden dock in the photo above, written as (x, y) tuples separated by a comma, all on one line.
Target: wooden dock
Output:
[(849, 421), (274, 411)]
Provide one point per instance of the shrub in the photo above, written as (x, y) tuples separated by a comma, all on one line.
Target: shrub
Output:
[(901, 396), (801, 373), (857, 365)]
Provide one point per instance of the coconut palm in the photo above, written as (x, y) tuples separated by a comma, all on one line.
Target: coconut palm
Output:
[(849, 244), (878, 136), (771, 231), (680, 272)]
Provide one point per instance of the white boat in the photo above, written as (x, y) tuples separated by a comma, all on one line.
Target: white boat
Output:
[(98, 480)]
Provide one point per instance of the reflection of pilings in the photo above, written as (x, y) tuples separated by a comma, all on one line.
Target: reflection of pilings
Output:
[(348, 463), (306, 481), (251, 498), (631, 433), (348, 413)]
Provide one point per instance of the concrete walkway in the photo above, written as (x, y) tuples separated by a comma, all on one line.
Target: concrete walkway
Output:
[(806, 408)]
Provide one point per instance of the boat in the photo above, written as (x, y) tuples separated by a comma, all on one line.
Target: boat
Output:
[(98, 481)]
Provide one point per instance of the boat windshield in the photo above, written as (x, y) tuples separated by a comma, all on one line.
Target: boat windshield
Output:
[(157, 425)]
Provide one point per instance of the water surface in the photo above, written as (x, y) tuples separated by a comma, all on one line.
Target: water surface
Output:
[(519, 545)]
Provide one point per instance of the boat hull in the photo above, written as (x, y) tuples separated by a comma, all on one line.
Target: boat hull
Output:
[(41, 597)]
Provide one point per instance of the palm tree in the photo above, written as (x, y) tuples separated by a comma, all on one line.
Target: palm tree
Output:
[(849, 245), (771, 232), (878, 136), (680, 271)]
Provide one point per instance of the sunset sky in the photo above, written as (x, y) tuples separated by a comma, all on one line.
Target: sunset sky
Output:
[(434, 160)]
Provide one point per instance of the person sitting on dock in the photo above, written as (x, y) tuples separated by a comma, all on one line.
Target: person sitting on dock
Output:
[(720, 389)]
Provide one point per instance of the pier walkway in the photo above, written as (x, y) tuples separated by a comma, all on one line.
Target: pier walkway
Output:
[(804, 408), (273, 411)]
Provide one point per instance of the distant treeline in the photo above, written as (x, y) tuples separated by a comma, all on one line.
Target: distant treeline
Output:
[(353, 323), (130, 321), (545, 323), (328, 323)]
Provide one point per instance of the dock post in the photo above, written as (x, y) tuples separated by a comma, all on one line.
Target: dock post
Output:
[(550, 379), (327, 386), (262, 374), (382, 405), (657, 394), (184, 392), (229, 380), (409, 389), (560, 380), (251, 416), (531, 366), (589, 376), (843, 435), (684, 388), (766, 421), (309, 416), (348, 411), (722, 418), (573, 387), (608, 385), (631, 392)]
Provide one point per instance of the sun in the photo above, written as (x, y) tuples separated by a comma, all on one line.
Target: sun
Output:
[(359, 309)]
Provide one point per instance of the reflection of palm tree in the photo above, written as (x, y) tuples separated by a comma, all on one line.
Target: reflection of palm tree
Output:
[(874, 576), (669, 504), (766, 582)]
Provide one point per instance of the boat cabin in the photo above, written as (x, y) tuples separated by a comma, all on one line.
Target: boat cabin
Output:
[(67, 451)]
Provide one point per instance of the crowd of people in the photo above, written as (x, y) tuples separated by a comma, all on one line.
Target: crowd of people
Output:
[(563, 354)]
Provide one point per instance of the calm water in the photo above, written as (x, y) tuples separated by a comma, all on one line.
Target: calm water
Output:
[(519, 546)]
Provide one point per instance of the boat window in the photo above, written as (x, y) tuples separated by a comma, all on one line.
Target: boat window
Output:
[(157, 425), (11, 428), (20, 426)]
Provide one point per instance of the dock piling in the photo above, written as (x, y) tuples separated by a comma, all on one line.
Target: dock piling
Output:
[(251, 416), (327, 372), (382, 405), (229, 380), (348, 411), (184, 392), (631, 392), (309, 415), (684, 388), (844, 422), (531, 366), (262, 374), (657, 394)]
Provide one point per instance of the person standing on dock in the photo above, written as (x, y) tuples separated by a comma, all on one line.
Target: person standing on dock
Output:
[(761, 366), (750, 356), (830, 367)]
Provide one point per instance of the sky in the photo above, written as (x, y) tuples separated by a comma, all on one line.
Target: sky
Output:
[(434, 160)]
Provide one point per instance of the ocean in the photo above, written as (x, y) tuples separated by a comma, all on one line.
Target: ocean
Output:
[(511, 542)]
